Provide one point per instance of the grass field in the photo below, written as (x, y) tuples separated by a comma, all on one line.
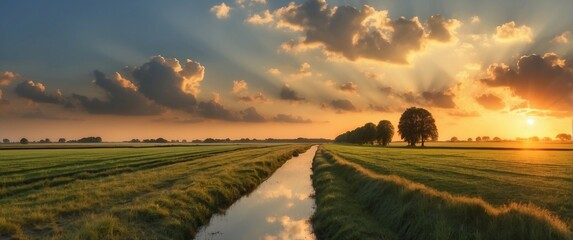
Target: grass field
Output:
[(127, 193), (430, 193)]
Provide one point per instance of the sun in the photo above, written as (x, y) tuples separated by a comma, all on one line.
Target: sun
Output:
[(530, 121)]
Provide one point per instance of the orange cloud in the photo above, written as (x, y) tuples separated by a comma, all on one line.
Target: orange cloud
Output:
[(221, 11), (511, 32)]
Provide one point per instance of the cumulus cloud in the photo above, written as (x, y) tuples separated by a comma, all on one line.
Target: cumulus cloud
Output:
[(7, 77), (490, 101), (546, 82), (475, 20), (562, 38), (239, 86), (170, 83), (440, 99), (251, 115), (35, 92), (288, 93), (359, 33), (221, 11), (348, 87), (511, 32), (274, 71), (343, 105), (303, 71), (261, 18), (258, 97), (121, 98), (215, 110), (441, 29), (290, 119), (243, 3)]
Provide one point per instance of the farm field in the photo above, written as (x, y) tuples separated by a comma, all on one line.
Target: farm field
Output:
[(127, 193), (442, 193)]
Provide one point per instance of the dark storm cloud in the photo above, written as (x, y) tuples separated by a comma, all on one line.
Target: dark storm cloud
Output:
[(288, 93), (170, 83), (490, 101), (121, 98), (360, 33), (343, 105), (546, 82), (35, 92), (290, 119), (215, 110)]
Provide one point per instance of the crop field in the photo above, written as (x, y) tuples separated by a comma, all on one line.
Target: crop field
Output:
[(127, 193), (442, 193)]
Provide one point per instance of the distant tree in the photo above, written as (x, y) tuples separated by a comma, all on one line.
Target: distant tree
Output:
[(496, 139), (184, 141), (90, 140), (417, 124), (24, 141), (368, 133), (384, 132), (62, 140), (563, 137), (209, 140), (547, 139), (6, 140), (135, 140), (470, 139), (196, 141), (478, 139), (534, 139), (47, 140), (485, 138), (454, 139)]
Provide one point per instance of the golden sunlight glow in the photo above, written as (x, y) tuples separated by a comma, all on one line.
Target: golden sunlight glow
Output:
[(530, 121)]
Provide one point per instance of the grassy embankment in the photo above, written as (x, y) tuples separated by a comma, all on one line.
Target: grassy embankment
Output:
[(370, 193), (151, 193)]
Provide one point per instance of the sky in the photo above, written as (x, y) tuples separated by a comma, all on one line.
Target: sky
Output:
[(283, 69)]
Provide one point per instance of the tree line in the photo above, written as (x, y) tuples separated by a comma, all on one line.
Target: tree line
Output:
[(416, 125)]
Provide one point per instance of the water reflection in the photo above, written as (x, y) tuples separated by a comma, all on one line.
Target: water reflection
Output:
[(279, 208)]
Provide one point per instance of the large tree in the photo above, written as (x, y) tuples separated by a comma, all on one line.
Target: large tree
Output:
[(417, 125), (368, 133), (563, 137), (384, 132)]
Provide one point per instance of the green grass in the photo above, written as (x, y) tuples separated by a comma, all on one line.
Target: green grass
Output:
[(127, 193), (442, 193)]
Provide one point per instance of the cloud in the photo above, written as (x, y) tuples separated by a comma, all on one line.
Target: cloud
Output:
[(381, 108), (251, 115), (289, 94), (35, 92), (303, 71), (290, 119), (546, 82), (562, 38), (7, 77), (261, 18), (215, 110), (348, 87), (121, 98), (511, 32), (358, 33), (490, 101), (254, 98), (440, 99), (239, 85), (243, 3), (221, 11), (441, 29), (169, 83), (2, 99), (343, 105), (475, 20), (274, 71)]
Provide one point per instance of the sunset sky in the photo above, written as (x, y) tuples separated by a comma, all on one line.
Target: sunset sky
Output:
[(283, 69)]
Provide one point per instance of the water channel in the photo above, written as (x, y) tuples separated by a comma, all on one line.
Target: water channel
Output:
[(279, 208)]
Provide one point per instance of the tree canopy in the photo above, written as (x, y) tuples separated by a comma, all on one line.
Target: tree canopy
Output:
[(563, 137), (368, 134), (384, 132), (417, 125)]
